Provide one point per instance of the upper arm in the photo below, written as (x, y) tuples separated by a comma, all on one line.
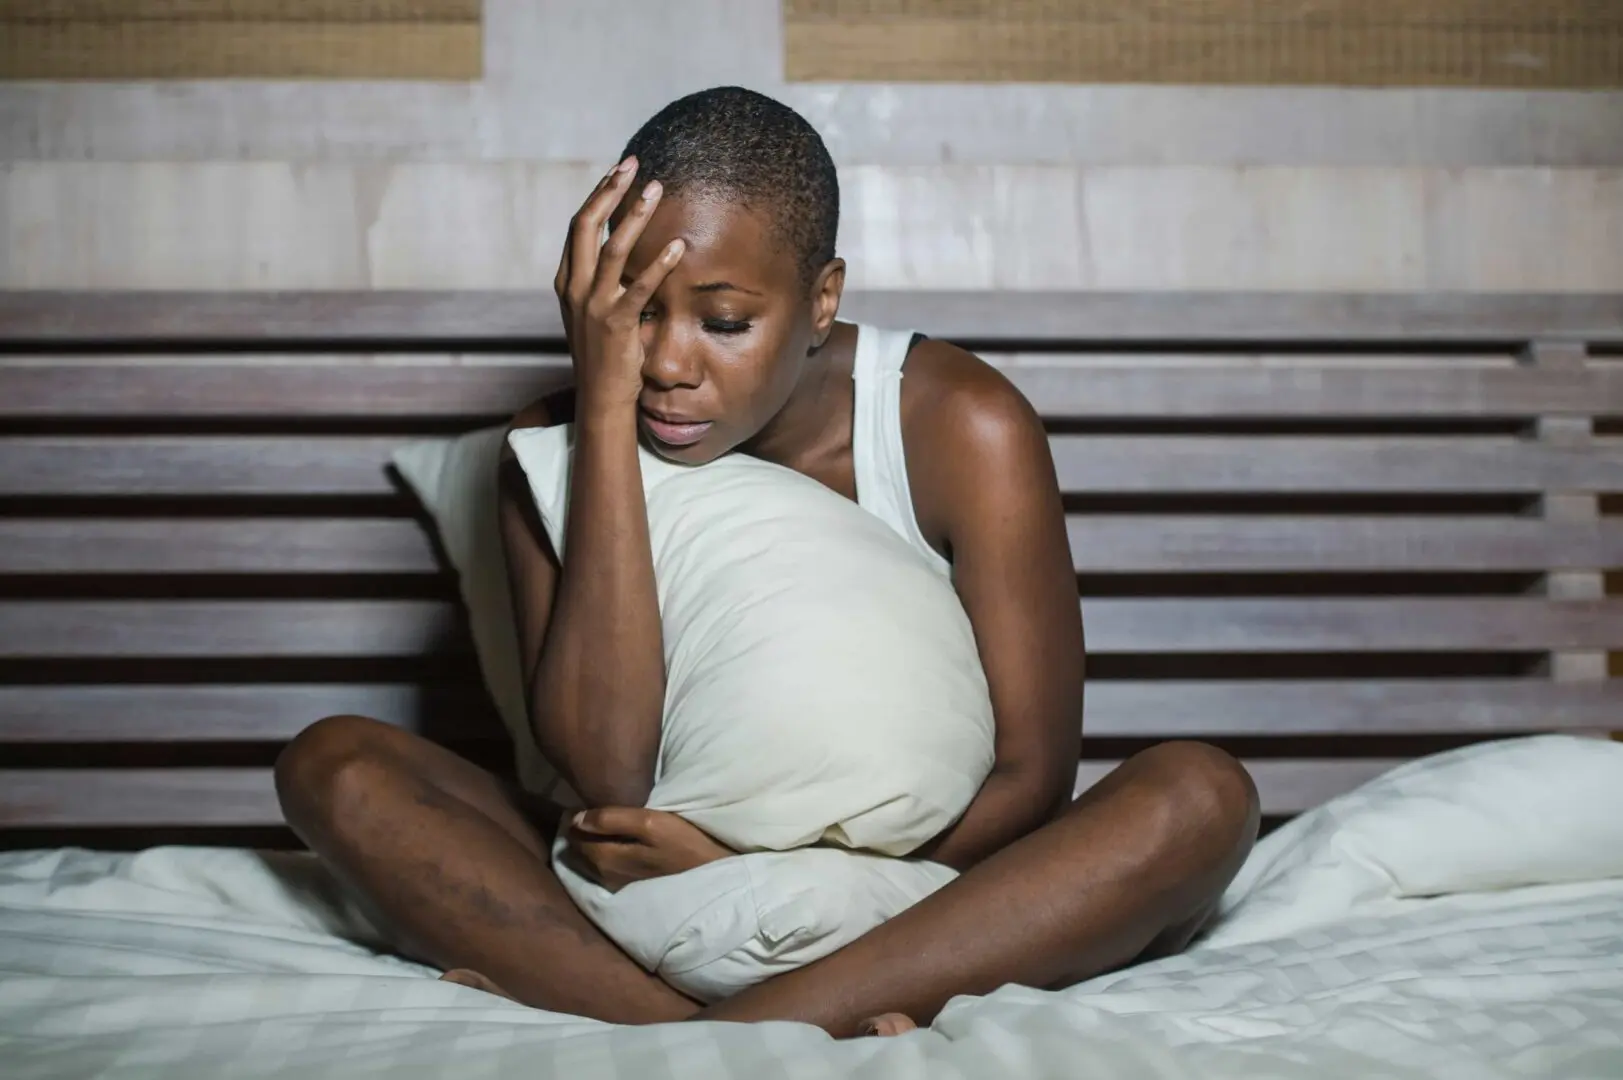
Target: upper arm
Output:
[(984, 481), (532, 564)]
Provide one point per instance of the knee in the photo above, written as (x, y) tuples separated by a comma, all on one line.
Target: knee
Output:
[(328, 767), (1205, 794)]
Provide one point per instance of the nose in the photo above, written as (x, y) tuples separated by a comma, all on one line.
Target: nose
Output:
[(669, 361)]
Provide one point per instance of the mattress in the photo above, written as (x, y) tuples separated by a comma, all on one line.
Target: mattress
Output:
[(1462, 917)]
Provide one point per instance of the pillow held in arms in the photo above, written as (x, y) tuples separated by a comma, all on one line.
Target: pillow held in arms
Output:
[(822, 686)]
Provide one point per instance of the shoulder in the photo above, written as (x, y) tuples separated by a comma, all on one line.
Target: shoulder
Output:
[(956, 404), (970, 436)]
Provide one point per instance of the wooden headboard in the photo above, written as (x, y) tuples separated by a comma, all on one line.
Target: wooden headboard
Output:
[(1327, 532)]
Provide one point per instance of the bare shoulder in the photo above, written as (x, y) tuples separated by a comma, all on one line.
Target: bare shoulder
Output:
[(968, 433), (955, 404)]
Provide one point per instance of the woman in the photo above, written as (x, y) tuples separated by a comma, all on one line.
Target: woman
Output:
[(706, 324)]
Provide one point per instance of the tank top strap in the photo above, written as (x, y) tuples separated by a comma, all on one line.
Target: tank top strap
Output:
[(877, 451)]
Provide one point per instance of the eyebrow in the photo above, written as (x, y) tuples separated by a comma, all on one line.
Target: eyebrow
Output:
[(722, 286)]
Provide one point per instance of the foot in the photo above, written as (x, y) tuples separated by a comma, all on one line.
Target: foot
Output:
[(469, 977), (889, 1024)]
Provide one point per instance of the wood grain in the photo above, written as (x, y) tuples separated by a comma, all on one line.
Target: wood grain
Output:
[(405, 628), (1185, 544), (1174, 708), (1296, 465), (509, 318), (355, 465), (1075, 385)]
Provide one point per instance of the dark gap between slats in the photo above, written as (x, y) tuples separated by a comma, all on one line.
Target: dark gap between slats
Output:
[(1305, 348), (406, 428), (493, 753), (298, 346), (443, 669), (1258, 748), (1290, 505), (1148, 667), (1300, 426), (213, 506), (1369, 584), (1609, 425), (228, 587), (266, 838)]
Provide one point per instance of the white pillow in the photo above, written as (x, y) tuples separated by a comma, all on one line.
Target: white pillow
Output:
[(1539, 810), (455, 479), (822, 685)]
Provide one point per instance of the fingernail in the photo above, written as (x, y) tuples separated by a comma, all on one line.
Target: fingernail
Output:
[(627, 165), (651, 192), (674, 248), (580, 816), (870, 1028)]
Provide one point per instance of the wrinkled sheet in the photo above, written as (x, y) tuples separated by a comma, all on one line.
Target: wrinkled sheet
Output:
[(1347, 948)]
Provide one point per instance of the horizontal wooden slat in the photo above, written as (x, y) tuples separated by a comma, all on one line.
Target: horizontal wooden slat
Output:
[(260, 386), (1284, 786), (228, 713), (229, 628), (1213, 544), (268, 317), (206, 465), (1215, 464), (1235, 389), (1218, 708), (81, 798), (272, 545), (394, 628), (1115, 709), (137, 797), (1076, 385), (345, 465), (1099, 544)]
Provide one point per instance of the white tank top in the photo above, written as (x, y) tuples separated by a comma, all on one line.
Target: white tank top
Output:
[(876, 437)]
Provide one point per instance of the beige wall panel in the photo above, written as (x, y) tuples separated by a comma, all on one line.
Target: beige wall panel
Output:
[(568, 80), (1468, 43), (278, 225)]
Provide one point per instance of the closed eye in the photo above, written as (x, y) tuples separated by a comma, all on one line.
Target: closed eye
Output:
[(727, 326)]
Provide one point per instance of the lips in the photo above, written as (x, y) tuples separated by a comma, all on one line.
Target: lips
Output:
[(672, 430)]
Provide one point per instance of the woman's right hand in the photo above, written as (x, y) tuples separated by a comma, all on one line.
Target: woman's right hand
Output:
[(602, 317)]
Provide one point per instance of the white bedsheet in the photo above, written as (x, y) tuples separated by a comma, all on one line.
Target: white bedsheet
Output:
[(212, 963)]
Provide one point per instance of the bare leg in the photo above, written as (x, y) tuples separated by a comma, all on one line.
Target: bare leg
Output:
[(456, 871), (1131, 870)]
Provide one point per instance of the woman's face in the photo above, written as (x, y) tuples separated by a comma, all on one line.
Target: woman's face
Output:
[(727, 335)]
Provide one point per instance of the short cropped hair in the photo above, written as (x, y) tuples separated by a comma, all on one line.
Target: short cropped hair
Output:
[(746, 147)]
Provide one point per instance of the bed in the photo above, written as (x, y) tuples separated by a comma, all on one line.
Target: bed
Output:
[(1335, 534)]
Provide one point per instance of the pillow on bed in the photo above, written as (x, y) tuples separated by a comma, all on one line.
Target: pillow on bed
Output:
[(1539, 810), (822, 686), (455, 479)]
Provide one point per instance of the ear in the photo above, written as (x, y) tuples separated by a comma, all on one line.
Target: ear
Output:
[(825, 300)]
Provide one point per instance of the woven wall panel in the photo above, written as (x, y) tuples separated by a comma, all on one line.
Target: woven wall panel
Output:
[(1471, 43), (216, 39)]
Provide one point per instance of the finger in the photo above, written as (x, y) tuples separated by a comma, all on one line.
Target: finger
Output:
[(642, 290), (611, 266), (627, 821), (560, 280), (585, 234)]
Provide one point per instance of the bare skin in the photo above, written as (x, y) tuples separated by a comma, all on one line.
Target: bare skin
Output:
[(695, 314)]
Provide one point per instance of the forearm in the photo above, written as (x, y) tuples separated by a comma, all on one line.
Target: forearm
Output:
[(1011, 803), (598, 687)]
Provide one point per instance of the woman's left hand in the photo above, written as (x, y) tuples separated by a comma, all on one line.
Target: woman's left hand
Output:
[(621, 844)]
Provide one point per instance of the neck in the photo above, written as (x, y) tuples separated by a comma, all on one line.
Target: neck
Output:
[(819, 406)]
